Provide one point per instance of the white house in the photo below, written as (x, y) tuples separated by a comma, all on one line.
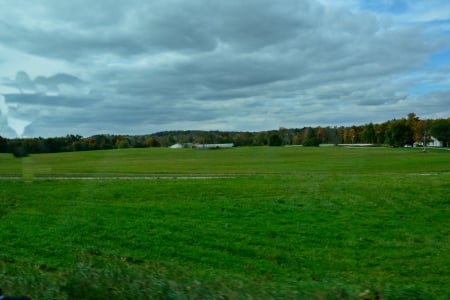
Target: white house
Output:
[(433, 142)]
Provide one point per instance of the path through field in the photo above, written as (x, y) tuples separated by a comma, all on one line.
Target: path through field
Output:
[(146, 177)]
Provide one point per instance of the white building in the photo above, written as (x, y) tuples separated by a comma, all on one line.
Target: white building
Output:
[(433, 142), (213, 146), (176, 146)]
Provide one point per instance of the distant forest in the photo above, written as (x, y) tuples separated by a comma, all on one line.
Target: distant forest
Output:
[(395, 133)]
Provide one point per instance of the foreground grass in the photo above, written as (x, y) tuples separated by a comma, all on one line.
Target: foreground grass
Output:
[(290, 223)]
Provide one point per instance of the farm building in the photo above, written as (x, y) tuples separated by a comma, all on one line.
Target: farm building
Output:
[(176, 146), (179, 146), (433, 142), (213, 146)]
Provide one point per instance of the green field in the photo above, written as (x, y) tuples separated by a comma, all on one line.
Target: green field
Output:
[(241, 223)]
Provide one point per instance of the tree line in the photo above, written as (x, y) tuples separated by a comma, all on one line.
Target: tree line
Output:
[(395, 133)]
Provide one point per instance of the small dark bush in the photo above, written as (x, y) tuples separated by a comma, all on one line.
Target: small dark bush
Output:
[(312, 142), (20, 151)]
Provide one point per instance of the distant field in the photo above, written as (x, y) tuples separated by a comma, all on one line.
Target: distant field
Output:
[(260, 222), (235, 161)]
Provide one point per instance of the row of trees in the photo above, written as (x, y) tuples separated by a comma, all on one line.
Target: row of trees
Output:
[(395, 133)]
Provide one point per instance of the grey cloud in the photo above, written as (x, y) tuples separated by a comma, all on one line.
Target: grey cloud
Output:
[(223, 95), (127, 119), (167, 62), (40, 99), (247, 26), (156, 26), (56, 83), (23, 81), (435, 102), (33, 99)]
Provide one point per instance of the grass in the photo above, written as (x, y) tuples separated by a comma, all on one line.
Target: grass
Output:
[(288, 223), (242, 161)]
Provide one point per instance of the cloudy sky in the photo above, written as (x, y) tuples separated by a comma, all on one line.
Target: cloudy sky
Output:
[(137, 67)]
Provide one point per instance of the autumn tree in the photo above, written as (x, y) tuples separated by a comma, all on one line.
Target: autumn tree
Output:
[(297, 140), (352, 135), (320, 135), (122, 142), (341, 134), (380, 130), (151, 142), (118, 139), (419, 131)]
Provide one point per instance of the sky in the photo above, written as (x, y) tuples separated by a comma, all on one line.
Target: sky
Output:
[(139, 67)]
